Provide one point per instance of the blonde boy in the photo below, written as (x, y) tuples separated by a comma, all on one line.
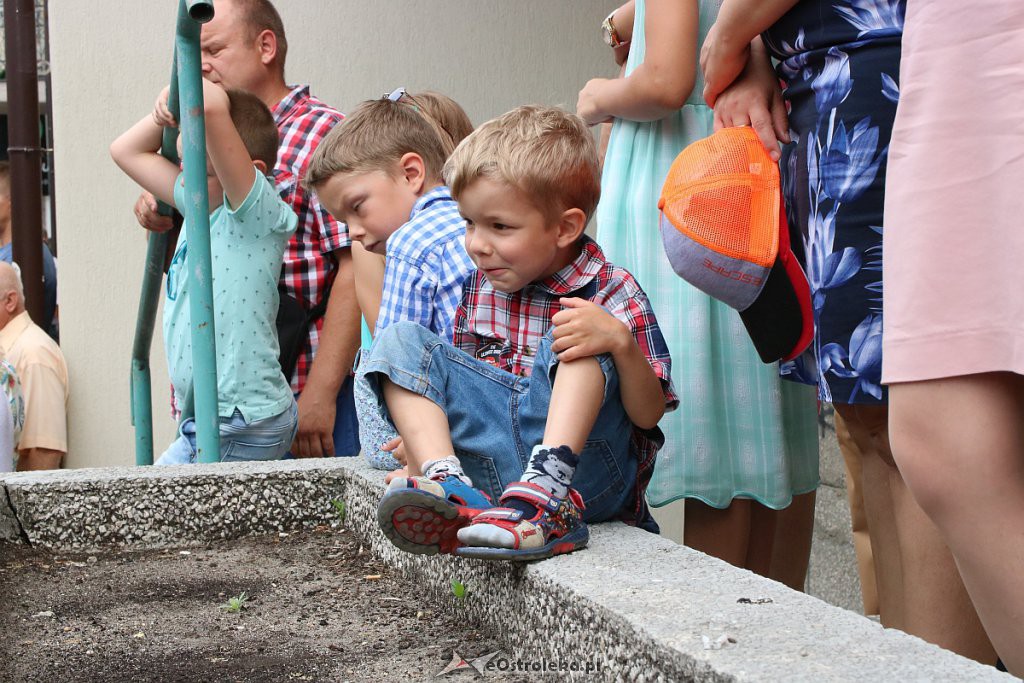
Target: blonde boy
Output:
[(380, 172), (557, 366)]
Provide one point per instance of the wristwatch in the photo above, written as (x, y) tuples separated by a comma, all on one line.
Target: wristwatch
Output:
[(608, 32)]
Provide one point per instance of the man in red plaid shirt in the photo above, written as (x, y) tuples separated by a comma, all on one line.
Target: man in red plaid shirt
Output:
[(244, 47), (552, 391)]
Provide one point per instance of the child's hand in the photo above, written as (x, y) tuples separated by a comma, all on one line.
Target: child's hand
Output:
[(401, 472), (162, 115), (586, 106), (584, 329), (397, 450)]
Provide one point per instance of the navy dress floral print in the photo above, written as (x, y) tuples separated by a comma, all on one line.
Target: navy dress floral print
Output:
[(839, 63)]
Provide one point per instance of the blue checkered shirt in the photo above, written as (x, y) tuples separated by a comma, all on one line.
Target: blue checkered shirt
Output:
[(426, 266)]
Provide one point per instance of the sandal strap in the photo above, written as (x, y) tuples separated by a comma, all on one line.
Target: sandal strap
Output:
[(503, 517), (531, 493)]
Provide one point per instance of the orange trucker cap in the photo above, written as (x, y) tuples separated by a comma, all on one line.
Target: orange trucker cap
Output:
[(724, 229)]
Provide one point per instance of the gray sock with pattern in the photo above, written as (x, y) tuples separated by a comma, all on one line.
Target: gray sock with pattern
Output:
[(447, 466)]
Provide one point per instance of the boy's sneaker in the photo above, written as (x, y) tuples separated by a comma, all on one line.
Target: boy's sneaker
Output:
[(556, 528), (423, 516)]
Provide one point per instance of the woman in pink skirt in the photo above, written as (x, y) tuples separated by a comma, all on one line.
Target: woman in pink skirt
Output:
[(954, 298)]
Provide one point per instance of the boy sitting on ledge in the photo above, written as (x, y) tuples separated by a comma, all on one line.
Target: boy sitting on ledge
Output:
[(549, 398)]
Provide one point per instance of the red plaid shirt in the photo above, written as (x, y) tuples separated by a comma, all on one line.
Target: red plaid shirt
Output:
[(504, 330), (303, 121)]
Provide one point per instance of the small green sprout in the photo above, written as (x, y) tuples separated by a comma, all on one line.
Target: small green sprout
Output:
[(339, 508), (236, 604), (458, 589)]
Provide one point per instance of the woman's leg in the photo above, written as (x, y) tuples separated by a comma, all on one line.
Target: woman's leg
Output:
[(793, 530), (930, 600), (852, 459), (877, 476), (960, 444), (721, 533)]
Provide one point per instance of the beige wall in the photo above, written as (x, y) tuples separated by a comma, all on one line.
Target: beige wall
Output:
[(108, 66)]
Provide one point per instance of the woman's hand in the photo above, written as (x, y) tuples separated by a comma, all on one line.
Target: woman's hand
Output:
[(755, 99), (587, 107), (722, 62)]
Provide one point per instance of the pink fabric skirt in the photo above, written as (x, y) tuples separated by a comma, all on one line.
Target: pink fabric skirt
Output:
[(954, 204)]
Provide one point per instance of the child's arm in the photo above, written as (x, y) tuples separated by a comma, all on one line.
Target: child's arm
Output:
[(231, 161), (408, 293), (661, 84), (585, 329), (137, 153)]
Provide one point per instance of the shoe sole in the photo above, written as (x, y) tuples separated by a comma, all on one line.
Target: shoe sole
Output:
[(574, 540), (421, 523)]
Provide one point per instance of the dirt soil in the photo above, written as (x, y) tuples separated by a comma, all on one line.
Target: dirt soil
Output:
[(318, 608)]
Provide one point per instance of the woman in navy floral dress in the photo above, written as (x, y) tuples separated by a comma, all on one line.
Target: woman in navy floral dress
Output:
[(839, 68)]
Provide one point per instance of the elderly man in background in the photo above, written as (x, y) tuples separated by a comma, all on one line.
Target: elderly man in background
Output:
[(44, 378)]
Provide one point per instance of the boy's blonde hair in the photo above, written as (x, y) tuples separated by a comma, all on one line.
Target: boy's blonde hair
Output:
[(546, 153), (453, 122), (375, 137)]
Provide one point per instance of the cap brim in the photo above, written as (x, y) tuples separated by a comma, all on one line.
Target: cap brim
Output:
[(780, 321)]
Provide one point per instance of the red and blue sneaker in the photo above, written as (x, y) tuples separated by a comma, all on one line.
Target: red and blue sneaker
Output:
[(505, 533), (423, 516)]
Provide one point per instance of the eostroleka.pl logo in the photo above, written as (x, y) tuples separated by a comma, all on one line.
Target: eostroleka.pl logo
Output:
[(492, 663), (477, 664)]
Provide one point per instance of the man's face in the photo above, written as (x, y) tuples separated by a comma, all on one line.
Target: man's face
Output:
[(8, 307), (373, 204), (230, 52)]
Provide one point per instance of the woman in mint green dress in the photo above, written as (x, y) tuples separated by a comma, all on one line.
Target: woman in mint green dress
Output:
[(743, 444)]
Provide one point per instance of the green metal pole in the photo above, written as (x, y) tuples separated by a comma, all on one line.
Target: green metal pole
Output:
[(142, 394), (197, 227), (149, 299)]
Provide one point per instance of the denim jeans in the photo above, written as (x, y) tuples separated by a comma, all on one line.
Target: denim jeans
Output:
[(496, 418), (267, 439)]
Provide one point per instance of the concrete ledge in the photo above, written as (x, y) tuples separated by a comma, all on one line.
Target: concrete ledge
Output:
[(150, 507), (639, 606)]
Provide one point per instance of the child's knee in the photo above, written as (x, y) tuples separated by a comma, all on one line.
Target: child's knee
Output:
[(403, 332)]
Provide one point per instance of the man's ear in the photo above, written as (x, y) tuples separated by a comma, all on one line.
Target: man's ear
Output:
[(266, 41), (571, 226), (413, 170), (10, 302)]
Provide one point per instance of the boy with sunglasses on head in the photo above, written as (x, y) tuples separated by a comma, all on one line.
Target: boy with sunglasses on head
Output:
[(379, 171), (549, 398), (249, 229)]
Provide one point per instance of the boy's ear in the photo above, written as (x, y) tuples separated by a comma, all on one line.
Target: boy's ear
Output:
[(260, 165), (266, 42), (571, 226), (414, 171)]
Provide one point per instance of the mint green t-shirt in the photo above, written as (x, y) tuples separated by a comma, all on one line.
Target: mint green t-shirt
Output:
[(247, 245)]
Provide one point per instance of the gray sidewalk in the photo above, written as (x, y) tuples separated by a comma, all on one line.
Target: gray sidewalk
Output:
[(832, 575)]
